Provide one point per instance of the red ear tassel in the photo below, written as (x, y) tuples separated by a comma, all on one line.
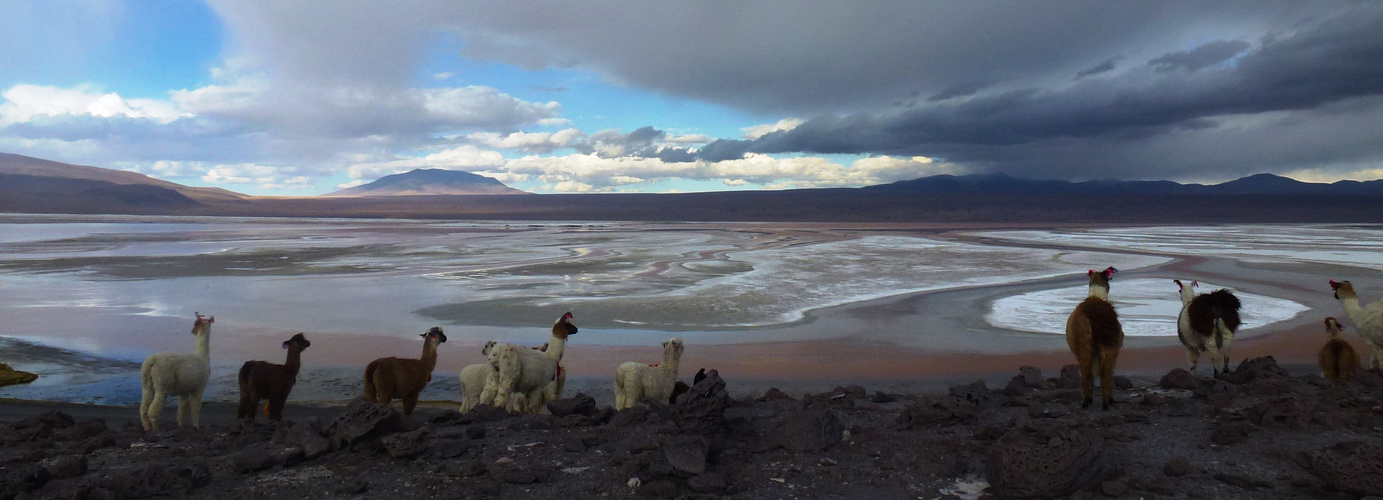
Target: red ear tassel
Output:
[(1195, 283), (1090, 272)]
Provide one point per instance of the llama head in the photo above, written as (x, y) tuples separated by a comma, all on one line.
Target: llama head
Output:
[(298, 341), (203, 324), (674, 345), (1333, 327), (1343, 287), (434, 333), (1183, 286), (563, 327), (489, 346)]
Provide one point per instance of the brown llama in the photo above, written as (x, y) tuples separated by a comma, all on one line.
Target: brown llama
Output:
[(1094, 335), (1337, 358), (389, 378), (264, 380)]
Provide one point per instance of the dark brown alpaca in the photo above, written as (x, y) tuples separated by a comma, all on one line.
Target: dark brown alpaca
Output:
[(1337, 358), (389, 378), (1214, 318), (264, 380), (1094, 335)]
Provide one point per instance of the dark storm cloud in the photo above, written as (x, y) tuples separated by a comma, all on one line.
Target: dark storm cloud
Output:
[(1209, 54), (1335, 62), (1103, 67), (960, 90)]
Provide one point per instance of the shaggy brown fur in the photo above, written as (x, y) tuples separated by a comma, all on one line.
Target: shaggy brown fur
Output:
[(264, 380), (1337, 358), (389, 378), (1094, 335)]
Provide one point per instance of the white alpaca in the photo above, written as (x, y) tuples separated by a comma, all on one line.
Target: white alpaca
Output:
[(177, 374), (526, 379), (1367, 319), (635, 381), (474, 378)]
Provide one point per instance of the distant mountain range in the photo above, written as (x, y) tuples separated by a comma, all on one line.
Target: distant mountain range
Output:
[(32, 185), (1260, 184), (431, 181)]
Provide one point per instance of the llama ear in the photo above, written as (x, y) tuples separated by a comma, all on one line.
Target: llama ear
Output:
[(1090, 272), (211, 319), (1195, 283)]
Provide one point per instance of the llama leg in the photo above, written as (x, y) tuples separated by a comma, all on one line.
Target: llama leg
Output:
[(409, 401), (1087, 382), (246, 409), (276, 408), (156, 408), (194, 406), (184, 405), (1224, 357), (145, 402), (1107, 358), (1193, 358)]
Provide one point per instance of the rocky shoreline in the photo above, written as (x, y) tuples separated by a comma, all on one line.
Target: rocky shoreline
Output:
[(1257, 432)]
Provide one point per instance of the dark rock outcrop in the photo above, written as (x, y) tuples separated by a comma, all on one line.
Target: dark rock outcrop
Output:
[(363, 422), (936, 410), (1046, 458), (808, 429), (1355, 467)]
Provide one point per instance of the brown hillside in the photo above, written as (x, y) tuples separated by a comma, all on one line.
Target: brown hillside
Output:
[(24, 165)]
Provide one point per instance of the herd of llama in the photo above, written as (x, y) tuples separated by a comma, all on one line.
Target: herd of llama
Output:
[(522, 379)]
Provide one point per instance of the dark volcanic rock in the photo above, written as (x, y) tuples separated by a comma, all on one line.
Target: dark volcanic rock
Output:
[(975, 392), (407, 444), (1283, 413), (702, 408), (252, 459), (363, 421), (934, 410), (484, 413), (306, 435), (1255, 369), (66, 466), (82, 430), (449, 448), (1229, 433), (630, 416), (156, 479), (1178, 378), (1070, 377), (1355, 467), (352, 487), (707, 483), (1178, 466), (19, 478), (580, 404), (773, 394), (1030, 375), (809, 429), (686, 453), (1046, 458)]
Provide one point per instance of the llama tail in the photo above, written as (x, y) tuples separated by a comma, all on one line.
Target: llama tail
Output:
[(244, 377), (370, 382), (146, 374)]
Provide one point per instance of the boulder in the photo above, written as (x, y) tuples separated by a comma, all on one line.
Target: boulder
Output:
[(1177, 467), (1255, 369), (686, 453), (1046, 458), (1030, 375), (580, 404), (407, 444), (66, 466), (773, 394), (1178, 378), (1070, 377), (702, 409), (141, 481), (975, 392), (306, 435), (936, 410), (808, 430), (363, 421), (19, 478), (1283, 413), (1355, 467), (251, 460)]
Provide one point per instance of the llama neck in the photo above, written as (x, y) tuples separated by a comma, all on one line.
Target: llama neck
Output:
[(429, 357), (1099, 292), (670, 361), (1187, 294), (1352, 308), (294, 361), (556, 347), (203, 344)]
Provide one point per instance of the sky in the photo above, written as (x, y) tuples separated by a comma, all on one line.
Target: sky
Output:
[(306, 97)]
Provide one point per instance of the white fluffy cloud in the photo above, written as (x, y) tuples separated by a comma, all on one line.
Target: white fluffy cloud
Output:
[(24, 102), (758, 131), (469, 158), (595, 173)]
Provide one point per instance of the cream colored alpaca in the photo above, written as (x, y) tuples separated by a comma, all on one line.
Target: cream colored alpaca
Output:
[(178, 374), (474, 378), (1368, 320), (635, 381), (526, 379)]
